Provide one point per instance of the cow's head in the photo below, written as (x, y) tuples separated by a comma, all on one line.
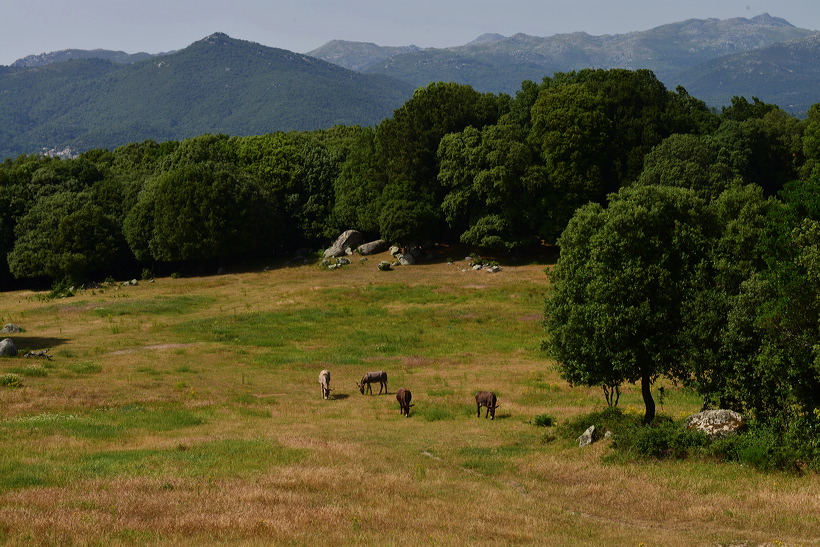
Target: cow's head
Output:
[(361, 387)]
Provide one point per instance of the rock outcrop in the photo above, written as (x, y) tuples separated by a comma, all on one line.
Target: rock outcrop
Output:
[(716, 423)]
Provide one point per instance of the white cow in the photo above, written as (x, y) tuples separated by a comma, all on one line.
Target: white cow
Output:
[(324, 381)]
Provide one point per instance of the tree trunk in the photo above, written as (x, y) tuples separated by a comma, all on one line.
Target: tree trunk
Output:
[(648, 401)]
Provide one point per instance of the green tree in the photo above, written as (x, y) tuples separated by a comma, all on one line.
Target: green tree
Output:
[(618, 289), (407, 145), (688, 161), (65, 235), (490, 203), (200, 212)]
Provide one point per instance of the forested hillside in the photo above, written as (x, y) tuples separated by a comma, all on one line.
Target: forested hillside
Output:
[(216, 85)]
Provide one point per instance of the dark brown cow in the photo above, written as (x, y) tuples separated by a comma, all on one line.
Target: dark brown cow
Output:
[(403, 396), (369, 378), (487, 399)]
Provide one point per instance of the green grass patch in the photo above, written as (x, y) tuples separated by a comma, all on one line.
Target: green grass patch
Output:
[(216, 459), (36, 370), (106, 424), (161, 305), (491, 460), (85, 367)]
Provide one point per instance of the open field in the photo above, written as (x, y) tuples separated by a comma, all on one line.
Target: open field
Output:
[(188, 411)]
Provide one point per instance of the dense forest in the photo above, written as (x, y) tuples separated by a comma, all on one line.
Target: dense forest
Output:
[(690, 239)]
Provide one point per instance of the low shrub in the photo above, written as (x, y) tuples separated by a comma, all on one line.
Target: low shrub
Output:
[(767, 448), (609, 419), (10, 380), (543, 420), (664, 439)]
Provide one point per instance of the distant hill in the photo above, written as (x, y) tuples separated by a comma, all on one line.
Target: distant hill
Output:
[(499, 64), (785, 74), (70, 54), (357, 55), (216, 85)]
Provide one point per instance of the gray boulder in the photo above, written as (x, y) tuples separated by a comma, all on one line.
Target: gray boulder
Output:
[(407, 259), (7, 348), (716, 423), (587, 437), (373, 247), (384, 265), (344, 261), (10, 328), (349, 240), (394, 251)]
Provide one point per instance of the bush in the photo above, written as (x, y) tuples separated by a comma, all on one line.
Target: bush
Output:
[(10, 380), (611, 419), (763, 447), (543, 420), (661, 440)]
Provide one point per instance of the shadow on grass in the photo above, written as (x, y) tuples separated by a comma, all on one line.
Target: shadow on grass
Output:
[(340, 396), (32, 343)]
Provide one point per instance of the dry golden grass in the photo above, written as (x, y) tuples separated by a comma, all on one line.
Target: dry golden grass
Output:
[(191, 414)]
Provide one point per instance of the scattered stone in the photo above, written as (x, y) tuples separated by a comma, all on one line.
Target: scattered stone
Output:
[(588, 437), (384, 265), (493, 269), (344, 244), (394, 251), (10, 328), (343, 261), (407, 259), (716, 423), (477, 267), (326, 262), (91, 285), (42, 353), (373, 247), (334, 266), (7, 348)]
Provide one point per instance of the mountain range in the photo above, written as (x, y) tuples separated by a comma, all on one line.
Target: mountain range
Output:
[(710, 55), (102, 99)]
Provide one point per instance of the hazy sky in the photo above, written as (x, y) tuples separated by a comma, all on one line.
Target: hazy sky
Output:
[(40, 26)]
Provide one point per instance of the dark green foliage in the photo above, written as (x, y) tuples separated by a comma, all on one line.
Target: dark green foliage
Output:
[(688, 161), (65, 235), (664, 439), (201, 211), (609, 419), (543, 420), (768, 447)]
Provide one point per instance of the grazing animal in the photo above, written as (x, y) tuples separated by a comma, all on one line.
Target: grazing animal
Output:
[(324, 381), (487, 399), (403, 396), (369, 378)]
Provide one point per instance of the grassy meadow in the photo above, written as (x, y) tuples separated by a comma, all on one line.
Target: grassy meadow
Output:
[(188, 411)]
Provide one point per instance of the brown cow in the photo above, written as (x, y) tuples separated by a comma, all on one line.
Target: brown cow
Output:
[(487, 399), (403, 396)]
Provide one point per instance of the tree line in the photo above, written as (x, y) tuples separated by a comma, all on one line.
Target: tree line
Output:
[(688, 237)]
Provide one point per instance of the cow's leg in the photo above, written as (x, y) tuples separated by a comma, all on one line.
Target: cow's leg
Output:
[(478, 410)]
